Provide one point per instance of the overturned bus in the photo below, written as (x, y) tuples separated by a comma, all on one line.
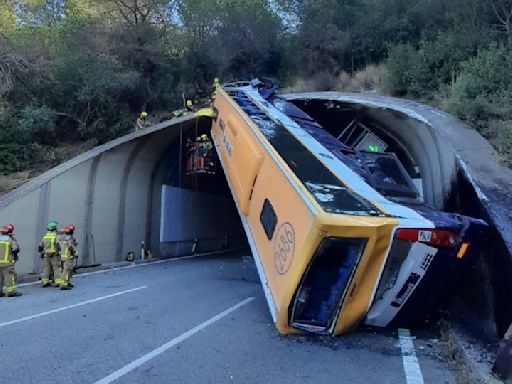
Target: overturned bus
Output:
[(337, 228)]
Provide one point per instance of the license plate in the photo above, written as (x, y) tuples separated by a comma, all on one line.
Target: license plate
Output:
[(425, 236)]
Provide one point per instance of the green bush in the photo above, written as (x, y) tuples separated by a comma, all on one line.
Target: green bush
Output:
[(37, 123), (483, 89), (419, 72), (18, 157), (410, 72), (482, 95), (9, 161)]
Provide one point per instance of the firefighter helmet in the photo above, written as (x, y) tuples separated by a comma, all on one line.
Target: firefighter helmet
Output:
[(143, 114), (5, 230), (69, 229), (52, 226)]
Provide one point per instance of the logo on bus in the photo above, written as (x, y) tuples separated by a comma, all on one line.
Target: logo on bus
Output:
[(284, 248)]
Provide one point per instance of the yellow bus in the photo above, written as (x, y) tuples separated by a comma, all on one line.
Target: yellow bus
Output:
[(319, 234)]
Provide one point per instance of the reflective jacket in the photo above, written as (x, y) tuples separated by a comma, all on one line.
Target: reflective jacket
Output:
[(49, 244), (67, 245), (8, 247)]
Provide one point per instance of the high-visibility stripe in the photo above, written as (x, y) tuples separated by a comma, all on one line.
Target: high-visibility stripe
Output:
[(65, 251), (52, 238), (5, 259)]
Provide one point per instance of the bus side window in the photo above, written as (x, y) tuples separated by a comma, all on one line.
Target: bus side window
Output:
[(268, 219)]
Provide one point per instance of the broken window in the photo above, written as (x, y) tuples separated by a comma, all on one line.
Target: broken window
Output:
[(324, 284)]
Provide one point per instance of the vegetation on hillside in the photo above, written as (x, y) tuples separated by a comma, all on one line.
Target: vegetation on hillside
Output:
[(81, 70)]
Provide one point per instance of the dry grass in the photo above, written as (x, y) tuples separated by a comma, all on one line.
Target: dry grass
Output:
[(370, 79), (59, 154), (320, 81), (13, 180)]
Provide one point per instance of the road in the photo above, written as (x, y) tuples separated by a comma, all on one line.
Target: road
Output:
[(198, 320)]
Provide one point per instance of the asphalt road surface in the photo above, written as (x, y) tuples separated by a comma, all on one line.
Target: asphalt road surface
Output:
[(198, 320)]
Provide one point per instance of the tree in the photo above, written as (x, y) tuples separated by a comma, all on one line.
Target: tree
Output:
[(502, 10), (245, 40), (41, 12), (138, 12), (322, 37), (88, 91)]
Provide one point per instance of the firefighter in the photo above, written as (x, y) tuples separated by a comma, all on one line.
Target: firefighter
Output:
[(68, 253), (49, 249), (9, 250), (204, 145), (142, 121), (189, 106)]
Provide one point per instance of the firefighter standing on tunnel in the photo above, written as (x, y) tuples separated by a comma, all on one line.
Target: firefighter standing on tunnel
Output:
[(9, 250), (49, 249), (67, 244), (142, 122)]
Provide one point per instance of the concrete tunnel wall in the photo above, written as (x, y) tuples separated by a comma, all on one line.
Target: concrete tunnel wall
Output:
[(112, 193)]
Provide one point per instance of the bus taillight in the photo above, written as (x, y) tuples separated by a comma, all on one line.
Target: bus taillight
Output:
[(433, 237)]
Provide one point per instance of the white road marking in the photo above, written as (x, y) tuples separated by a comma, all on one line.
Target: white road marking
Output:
[(412, 369), (26, 318), (131, 266), (154, 353)]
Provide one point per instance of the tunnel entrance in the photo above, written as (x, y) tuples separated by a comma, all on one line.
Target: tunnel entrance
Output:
[(198, 214)]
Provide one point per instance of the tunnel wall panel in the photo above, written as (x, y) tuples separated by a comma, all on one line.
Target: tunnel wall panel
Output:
[(153, 234), (67, 199), (139, 173), (107, 197)]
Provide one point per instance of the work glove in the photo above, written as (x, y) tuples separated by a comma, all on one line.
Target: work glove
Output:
[(15, 257)]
